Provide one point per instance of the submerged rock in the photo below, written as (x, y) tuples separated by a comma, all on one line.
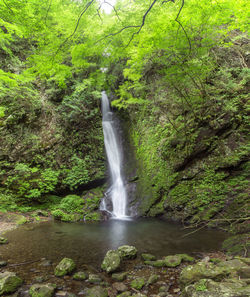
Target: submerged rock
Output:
[(127, 252), (3, 263), (66, 266), (119, 276), (148, 257), (80, 275), (97, 291), (173, 261), (38, 290), (111, 261), (120, 287), (9, 282), (194, 273), (138, 283), (95, 279)]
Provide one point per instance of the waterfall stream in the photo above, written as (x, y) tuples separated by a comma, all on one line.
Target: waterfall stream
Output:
[(117, 190)]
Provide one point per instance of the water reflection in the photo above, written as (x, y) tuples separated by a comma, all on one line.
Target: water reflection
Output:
[(88, 243)]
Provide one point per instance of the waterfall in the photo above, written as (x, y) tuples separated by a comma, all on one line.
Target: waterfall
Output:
[(117, 189)]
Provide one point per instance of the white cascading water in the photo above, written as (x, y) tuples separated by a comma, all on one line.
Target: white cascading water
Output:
[(117, 190)]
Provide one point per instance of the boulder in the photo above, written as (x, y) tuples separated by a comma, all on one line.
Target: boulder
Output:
[(9, 282), (39, 290), (210, 288), (119, 276), (97, 291), (148, 257), (202, 270), (173, 261), (66, 266), (127, 252), (138, 283), (112, 261), (240, 267), (80, 275)]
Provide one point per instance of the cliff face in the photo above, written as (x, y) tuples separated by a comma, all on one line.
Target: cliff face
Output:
[(51, 136), (193, 155)]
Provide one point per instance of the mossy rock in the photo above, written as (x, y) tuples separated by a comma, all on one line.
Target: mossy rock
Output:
[(121, 276), (148, 257), (194, 273), (66, 266), (80, 275), (138, 283), (111, 261), (186, 258), (9, 282), (125, 294), (157, 263), (45, 290), (3, 240), (127, 252), (97, 291), (152, 279), (173, 261), (95, 279)]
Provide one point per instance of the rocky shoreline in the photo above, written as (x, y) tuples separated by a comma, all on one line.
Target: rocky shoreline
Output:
[(124, 272)]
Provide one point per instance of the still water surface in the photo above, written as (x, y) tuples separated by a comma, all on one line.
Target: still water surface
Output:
[(87, 243)]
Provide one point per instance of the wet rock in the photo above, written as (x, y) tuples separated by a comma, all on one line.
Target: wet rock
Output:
[(66, 266), (112, 261), (3, 240), (194, 273), (3, 263), (97, 291), (45, 263), (157, 263), (125, 294), (119, 276), (120, 287), (41, 279), (64, 294), (186, 258), (95, 279), (164, 289), (127, 252), (138, 283), (38, 290), (172, 261), (210, 288), (152, 279), (148, 257), (9, 282), (139, 295), (242, 269), (80, 275)]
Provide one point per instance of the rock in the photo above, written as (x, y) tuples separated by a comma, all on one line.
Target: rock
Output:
[(194, 273), (164, 288), (95, 279), (38, 290), (152, 279), (138, 283), (9, 282), (245, 260), (242, 269), (139, 295), (172, 261), (41, 279), (45, 263), (111, 261), (66, 266), (186, 258), (148, 257), (120, 287), (210, 288), (157, 263), (127, 252), (80, 275), (3, 240), (3, 263), (125, 294), (97, 291), (119, 276)]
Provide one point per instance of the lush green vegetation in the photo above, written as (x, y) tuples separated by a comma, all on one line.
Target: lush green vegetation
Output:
[(177, 69)]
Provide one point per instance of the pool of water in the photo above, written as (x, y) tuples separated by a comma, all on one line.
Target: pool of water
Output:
[(87, 243)]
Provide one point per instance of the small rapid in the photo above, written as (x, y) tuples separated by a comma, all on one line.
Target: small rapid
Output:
[(117, 190)]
